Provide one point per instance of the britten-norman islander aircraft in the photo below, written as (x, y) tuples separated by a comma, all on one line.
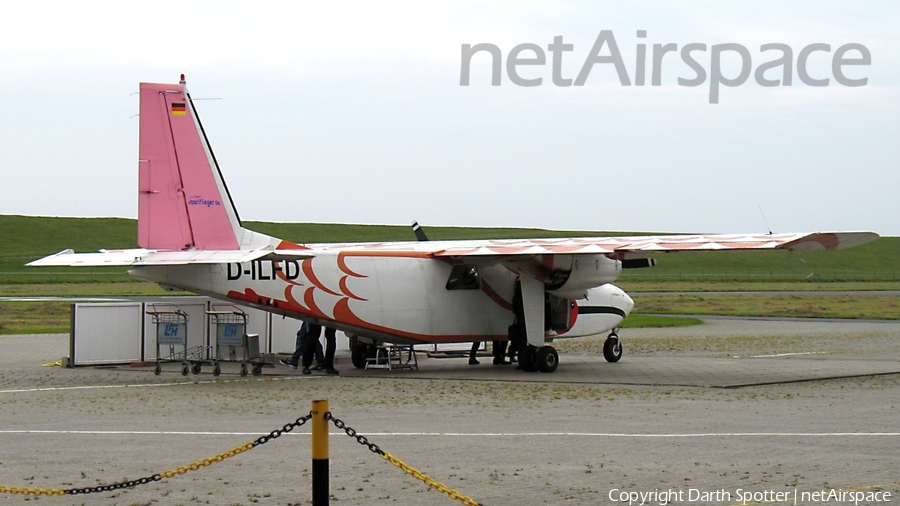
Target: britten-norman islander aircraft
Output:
[(191, 238)]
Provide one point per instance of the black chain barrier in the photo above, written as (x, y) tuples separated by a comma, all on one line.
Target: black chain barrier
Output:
[(275, 434), (427, 480)]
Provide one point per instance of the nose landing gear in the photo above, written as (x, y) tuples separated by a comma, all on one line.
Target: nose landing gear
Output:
[(612, 348)]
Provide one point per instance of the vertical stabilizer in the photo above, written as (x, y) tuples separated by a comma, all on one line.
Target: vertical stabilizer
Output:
[(183, 202)]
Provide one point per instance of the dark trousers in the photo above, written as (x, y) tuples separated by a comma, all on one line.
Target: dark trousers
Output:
[(499, 350), (300, 347), (330, 344)]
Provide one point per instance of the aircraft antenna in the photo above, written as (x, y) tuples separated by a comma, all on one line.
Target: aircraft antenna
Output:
[(802, 261), (764, 218)]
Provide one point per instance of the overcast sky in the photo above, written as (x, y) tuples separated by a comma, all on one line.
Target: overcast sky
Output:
[(354, 112)]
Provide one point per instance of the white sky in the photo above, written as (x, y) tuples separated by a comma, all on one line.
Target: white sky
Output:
[(353, 112)]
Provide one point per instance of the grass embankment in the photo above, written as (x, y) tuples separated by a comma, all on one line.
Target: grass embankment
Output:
[(26, 238), (643, 321), (34, 317), (872, 266), (641, 287), (52, 317), (866, 306)]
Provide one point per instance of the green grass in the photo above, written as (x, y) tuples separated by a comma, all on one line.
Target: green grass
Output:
[(643, 321), (26, 238), (753, 286), (873, 266), (133, 289), (331, 232), (855, 305), (877, 261), (34, 317)]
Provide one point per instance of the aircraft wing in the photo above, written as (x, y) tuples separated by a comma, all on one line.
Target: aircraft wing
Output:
[(141, 257), (615, 247), (640, 246)]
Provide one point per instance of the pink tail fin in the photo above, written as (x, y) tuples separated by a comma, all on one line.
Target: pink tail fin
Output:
[(183, 202)]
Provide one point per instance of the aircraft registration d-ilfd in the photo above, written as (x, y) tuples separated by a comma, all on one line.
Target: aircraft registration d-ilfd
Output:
[(191, 238)]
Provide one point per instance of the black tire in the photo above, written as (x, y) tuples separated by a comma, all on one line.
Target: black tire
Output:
[(358, 356), (526, 359), (243, 370), (612, 349), (217, 370), (546, 359), (185, 369), (196, 368), (157, 370), (257, 370)]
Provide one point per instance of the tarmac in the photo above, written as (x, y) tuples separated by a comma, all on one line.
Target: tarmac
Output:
[(694, 415)]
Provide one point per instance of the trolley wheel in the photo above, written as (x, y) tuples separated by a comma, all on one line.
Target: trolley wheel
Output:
[(243, 370), (158, 369), (196, 368), (257, 370), (185, 369), (217, 370), (358, 357)]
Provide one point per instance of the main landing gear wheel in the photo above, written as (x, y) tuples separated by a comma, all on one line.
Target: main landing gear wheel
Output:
[(527, 359), (358, 356), (546, 359), (612, 348)]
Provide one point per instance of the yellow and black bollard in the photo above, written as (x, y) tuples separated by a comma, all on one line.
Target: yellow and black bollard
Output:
[(319, 453)]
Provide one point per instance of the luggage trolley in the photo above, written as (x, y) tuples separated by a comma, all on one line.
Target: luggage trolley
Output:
[(232, 340), (171, 331)]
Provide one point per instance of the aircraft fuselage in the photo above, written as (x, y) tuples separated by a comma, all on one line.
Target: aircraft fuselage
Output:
[(388, 297)]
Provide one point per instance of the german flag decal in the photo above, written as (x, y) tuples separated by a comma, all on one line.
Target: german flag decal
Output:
[(178, 109)]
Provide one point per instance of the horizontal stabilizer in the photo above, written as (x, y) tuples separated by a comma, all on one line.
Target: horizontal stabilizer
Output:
[(141, 257), (103, 258)]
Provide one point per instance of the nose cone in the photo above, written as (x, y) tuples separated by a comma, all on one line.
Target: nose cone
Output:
[(621, 300)]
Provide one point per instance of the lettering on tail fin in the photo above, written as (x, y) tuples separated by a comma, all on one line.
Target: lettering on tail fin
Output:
[(183, 202)]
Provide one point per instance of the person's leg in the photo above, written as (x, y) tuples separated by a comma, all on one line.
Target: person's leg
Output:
[(473, 352), (500, 353), (330, 346), (320, 355), (312, 338), (299, 347)]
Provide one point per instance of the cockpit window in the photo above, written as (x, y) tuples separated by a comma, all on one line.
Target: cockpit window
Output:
[(464, 277)]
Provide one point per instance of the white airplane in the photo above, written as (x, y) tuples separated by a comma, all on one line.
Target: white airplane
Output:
[(191, 238)]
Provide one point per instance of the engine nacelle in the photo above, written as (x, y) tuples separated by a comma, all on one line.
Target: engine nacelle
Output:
[(587, 271)]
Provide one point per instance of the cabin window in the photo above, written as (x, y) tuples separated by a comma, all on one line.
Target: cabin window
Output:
[(464, 277)]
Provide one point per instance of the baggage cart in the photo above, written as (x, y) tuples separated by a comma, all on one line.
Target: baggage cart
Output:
[(233, 344), (172, 342)]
